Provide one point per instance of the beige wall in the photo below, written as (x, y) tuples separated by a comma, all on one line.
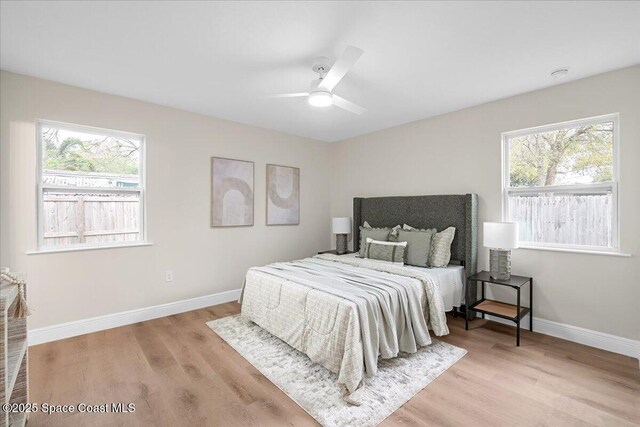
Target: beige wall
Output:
[(460, 153), (77, 285), (454, 153)]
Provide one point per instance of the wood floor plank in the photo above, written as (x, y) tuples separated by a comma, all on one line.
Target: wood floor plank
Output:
[(178, 372)]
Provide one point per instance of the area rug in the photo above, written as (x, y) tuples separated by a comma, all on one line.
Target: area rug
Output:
[(315, 389)]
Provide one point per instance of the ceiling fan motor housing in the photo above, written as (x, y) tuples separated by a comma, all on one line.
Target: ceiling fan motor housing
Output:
[(321, 65)]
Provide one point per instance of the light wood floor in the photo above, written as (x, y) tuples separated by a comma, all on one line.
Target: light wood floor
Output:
[(179, 373)]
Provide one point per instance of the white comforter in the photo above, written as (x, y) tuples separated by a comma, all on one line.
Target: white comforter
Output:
[(325, 326)]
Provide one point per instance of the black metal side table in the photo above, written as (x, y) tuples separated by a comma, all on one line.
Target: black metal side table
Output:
[(511, 312)]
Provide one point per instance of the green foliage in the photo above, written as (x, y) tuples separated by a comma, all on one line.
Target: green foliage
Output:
[(107, 155), (562, 156), (523, 174)]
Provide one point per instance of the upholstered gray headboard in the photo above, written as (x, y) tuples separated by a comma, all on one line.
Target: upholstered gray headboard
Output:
[(457, 210)]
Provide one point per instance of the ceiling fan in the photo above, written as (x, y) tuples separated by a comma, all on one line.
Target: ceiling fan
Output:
[(320, 94)]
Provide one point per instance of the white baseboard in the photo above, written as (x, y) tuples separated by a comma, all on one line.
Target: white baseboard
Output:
[(100, 323), (601, 340)]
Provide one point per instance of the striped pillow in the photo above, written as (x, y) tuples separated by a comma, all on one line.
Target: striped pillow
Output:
[(440, 254), (385, 251)]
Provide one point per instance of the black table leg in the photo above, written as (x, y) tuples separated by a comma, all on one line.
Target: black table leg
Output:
[(518, 320), (483, 296), (466, 302), (531, 304)]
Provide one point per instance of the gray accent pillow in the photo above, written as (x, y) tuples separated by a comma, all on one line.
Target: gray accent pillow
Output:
[(418, 246), (373, 233), (385, 251), (407, 227), (440, 254), (393, 232)]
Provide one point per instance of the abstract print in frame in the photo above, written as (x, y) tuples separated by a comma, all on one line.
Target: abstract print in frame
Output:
[(232, 183), (283, 195)]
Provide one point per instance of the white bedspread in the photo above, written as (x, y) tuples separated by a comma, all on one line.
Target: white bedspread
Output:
[(324, 326)]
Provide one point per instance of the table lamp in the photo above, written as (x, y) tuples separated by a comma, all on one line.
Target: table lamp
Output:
[(341, 226), (500, 237)]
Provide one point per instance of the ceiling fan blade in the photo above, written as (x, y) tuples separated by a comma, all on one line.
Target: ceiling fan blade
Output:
[(289, 95), (340, 68), (347, 105)]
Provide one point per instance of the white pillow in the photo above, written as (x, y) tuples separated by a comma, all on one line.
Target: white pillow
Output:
[(381, 242)]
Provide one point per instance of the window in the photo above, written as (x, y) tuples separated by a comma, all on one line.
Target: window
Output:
[(560, 184), (90, 187)]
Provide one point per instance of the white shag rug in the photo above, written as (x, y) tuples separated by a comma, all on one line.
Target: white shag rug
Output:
[(314, 387)]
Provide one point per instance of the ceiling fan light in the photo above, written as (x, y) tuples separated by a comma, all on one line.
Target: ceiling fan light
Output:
[(320, 99)]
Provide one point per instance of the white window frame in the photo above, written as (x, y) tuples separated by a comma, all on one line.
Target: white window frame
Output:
[(41, 187), (575, 188)]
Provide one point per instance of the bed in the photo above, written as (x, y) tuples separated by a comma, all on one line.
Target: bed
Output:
[(449, 281), (316, 304)]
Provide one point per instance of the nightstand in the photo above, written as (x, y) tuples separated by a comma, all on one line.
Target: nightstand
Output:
[(333, 251), (511, 312)]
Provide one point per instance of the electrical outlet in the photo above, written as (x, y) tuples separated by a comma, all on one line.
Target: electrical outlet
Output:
[(168, 276)]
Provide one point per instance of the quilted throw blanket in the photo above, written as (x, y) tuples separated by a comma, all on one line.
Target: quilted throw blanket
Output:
[(344, 312)]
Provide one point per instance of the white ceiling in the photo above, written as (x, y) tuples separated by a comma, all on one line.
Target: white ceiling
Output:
[(223, 59)]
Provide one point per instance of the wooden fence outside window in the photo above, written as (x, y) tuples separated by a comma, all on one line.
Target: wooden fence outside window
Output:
[(576, 219), (90, 218)]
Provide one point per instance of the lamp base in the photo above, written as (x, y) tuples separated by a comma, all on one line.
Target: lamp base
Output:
[(341, 244), (500, 264)]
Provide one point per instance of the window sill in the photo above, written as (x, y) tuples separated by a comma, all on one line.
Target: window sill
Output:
[(577, 251), (87, 248)]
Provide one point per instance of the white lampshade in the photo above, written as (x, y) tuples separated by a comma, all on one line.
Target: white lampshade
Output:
[(500, 235), (341, 225)]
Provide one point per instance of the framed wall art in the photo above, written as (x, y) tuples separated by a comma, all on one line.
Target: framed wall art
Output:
[(232, 183), (283, 195)]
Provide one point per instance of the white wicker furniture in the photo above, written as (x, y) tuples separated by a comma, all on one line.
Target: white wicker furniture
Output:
[(13, 357)]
